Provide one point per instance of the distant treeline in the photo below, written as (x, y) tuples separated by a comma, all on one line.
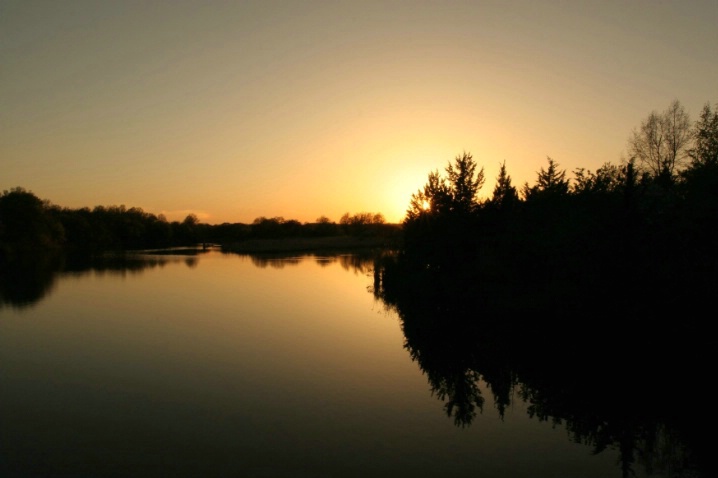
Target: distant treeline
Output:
[(28, 223)]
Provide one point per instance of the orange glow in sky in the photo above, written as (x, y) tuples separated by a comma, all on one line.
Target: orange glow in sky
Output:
[(235, 110)]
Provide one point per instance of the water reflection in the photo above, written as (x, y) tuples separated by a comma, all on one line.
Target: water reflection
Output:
[(247, 366), (359, 261), (607, 386), (26, 280)]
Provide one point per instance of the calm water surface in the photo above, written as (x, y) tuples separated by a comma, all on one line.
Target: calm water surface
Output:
[(226, 365)]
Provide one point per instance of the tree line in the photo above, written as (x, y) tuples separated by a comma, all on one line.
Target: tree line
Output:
[(29, 224), (647, 225), (579, 294), (655, 214)]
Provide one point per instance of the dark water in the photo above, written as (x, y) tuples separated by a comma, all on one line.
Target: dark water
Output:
[(227, 365)]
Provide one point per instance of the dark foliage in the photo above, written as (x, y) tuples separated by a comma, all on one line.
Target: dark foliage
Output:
[(615, 268), (29, 225)]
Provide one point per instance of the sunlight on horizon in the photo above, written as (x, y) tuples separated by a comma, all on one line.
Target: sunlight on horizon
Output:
[(233, 111)]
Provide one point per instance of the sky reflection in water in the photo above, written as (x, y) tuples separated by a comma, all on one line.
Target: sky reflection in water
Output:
[(248, 366)]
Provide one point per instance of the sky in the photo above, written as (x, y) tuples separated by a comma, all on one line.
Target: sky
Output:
[(234, 110)]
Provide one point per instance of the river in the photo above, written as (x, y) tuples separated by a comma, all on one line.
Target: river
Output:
[(221, 364)]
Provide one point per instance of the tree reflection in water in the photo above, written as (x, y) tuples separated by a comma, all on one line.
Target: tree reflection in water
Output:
[(607, 384), (611, 382), (359, 261), (26, 279)]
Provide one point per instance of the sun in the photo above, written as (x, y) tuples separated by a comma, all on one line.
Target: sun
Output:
[(426, 205)]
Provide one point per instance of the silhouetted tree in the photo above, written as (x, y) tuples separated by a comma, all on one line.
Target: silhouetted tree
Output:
[(442, 217), (455, 194), (191, 220), (362, 223), (505, 194), (322, 227), (464, 181), (266, 228), (699, 204), (551, 182), (433, 199), (608, 178), (660, 144), (705, 147), (291, 228), (26, 223)]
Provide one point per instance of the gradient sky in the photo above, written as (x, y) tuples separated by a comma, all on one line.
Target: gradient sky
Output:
[(238, 109)]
